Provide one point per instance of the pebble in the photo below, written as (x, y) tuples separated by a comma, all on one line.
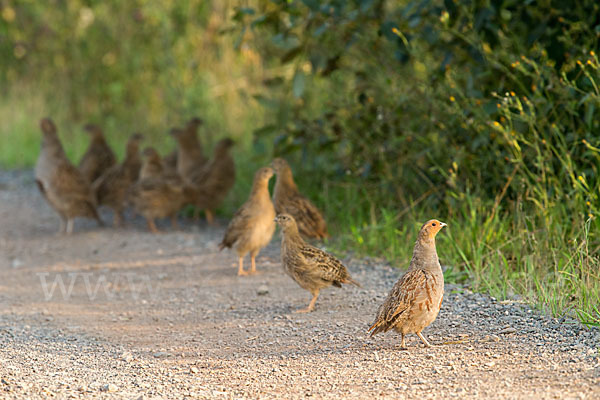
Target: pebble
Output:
[(110, 387), (507, 330), (262, 290)]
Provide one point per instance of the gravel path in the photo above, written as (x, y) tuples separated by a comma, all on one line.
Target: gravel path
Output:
[(165, 316)]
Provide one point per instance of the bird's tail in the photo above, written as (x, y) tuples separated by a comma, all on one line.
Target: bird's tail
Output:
[(351, 281), (376, 328)]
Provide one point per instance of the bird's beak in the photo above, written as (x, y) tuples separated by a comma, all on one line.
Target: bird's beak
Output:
[(443, 224)]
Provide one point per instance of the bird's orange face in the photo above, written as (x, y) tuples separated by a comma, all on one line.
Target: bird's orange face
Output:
[(431, 228)]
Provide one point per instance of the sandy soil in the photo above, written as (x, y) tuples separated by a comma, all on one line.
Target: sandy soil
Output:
[(165, 316)]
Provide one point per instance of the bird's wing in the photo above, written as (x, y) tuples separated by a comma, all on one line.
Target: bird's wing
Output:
[(70, 183), (239, 223), (324, 264), (411, 289)]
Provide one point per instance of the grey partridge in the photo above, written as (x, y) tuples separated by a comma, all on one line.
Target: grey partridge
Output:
[(98, 157), (415, 300), (288, 199), (63, 186), (111, 188), (252, 226), (312, 268)]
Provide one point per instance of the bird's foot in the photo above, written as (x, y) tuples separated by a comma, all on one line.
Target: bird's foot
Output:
[(254, 272), (304, 310), (243, 273)]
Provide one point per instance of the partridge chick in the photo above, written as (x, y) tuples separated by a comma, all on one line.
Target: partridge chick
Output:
[(63, 186), (190, 153), (311, 268), (215, 180), (415, 300), (111, 188), (155, 195), (99, 156), (252, 226), (288, 199)]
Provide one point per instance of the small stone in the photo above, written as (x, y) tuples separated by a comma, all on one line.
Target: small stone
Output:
[(110, 387), (16, 263), (161, 354), (262, 290), (508, 330), (194, 370), (127, 356)]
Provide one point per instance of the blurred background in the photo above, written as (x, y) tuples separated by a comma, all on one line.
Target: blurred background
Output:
[(484, 114)]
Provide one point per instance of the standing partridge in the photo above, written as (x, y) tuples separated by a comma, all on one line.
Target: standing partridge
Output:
[(415, 300), (311, 268), (288, 199), (63, 186), (99, 156), (252, 226)]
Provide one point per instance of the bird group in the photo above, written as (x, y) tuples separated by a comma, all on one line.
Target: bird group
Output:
[(154, 187), (159, 187)]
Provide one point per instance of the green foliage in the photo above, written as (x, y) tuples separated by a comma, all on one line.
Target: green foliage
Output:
[(129, 66)]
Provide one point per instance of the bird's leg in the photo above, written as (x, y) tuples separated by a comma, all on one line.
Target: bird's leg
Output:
[(118, 218), (241, 271), (70, 223), (403, 344), (152, 225), (63, 225), (423, 339), (210, 217), (253, 263), (311, 306)]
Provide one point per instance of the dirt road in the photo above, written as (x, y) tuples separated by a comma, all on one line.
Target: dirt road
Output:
[(165, 316)]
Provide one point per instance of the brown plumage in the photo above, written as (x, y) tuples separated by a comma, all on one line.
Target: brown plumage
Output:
[(111, 188), (63, 186), (156, 194), (190, 153), (312, 268), (99, 156), (170, 161), (215, 180), (288, 199), (152, 166), (415, 300), (252, 226)]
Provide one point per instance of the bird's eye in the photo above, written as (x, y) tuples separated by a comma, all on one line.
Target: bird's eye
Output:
[(433, 224)]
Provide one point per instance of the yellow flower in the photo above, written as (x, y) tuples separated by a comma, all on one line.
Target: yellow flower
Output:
[(452, 98), (395, 31), (592, 53), (512, 94), (498, 105), (581, 179), (590, 215), (589, 62), (579, 63), (588, 203), (497, 124)]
